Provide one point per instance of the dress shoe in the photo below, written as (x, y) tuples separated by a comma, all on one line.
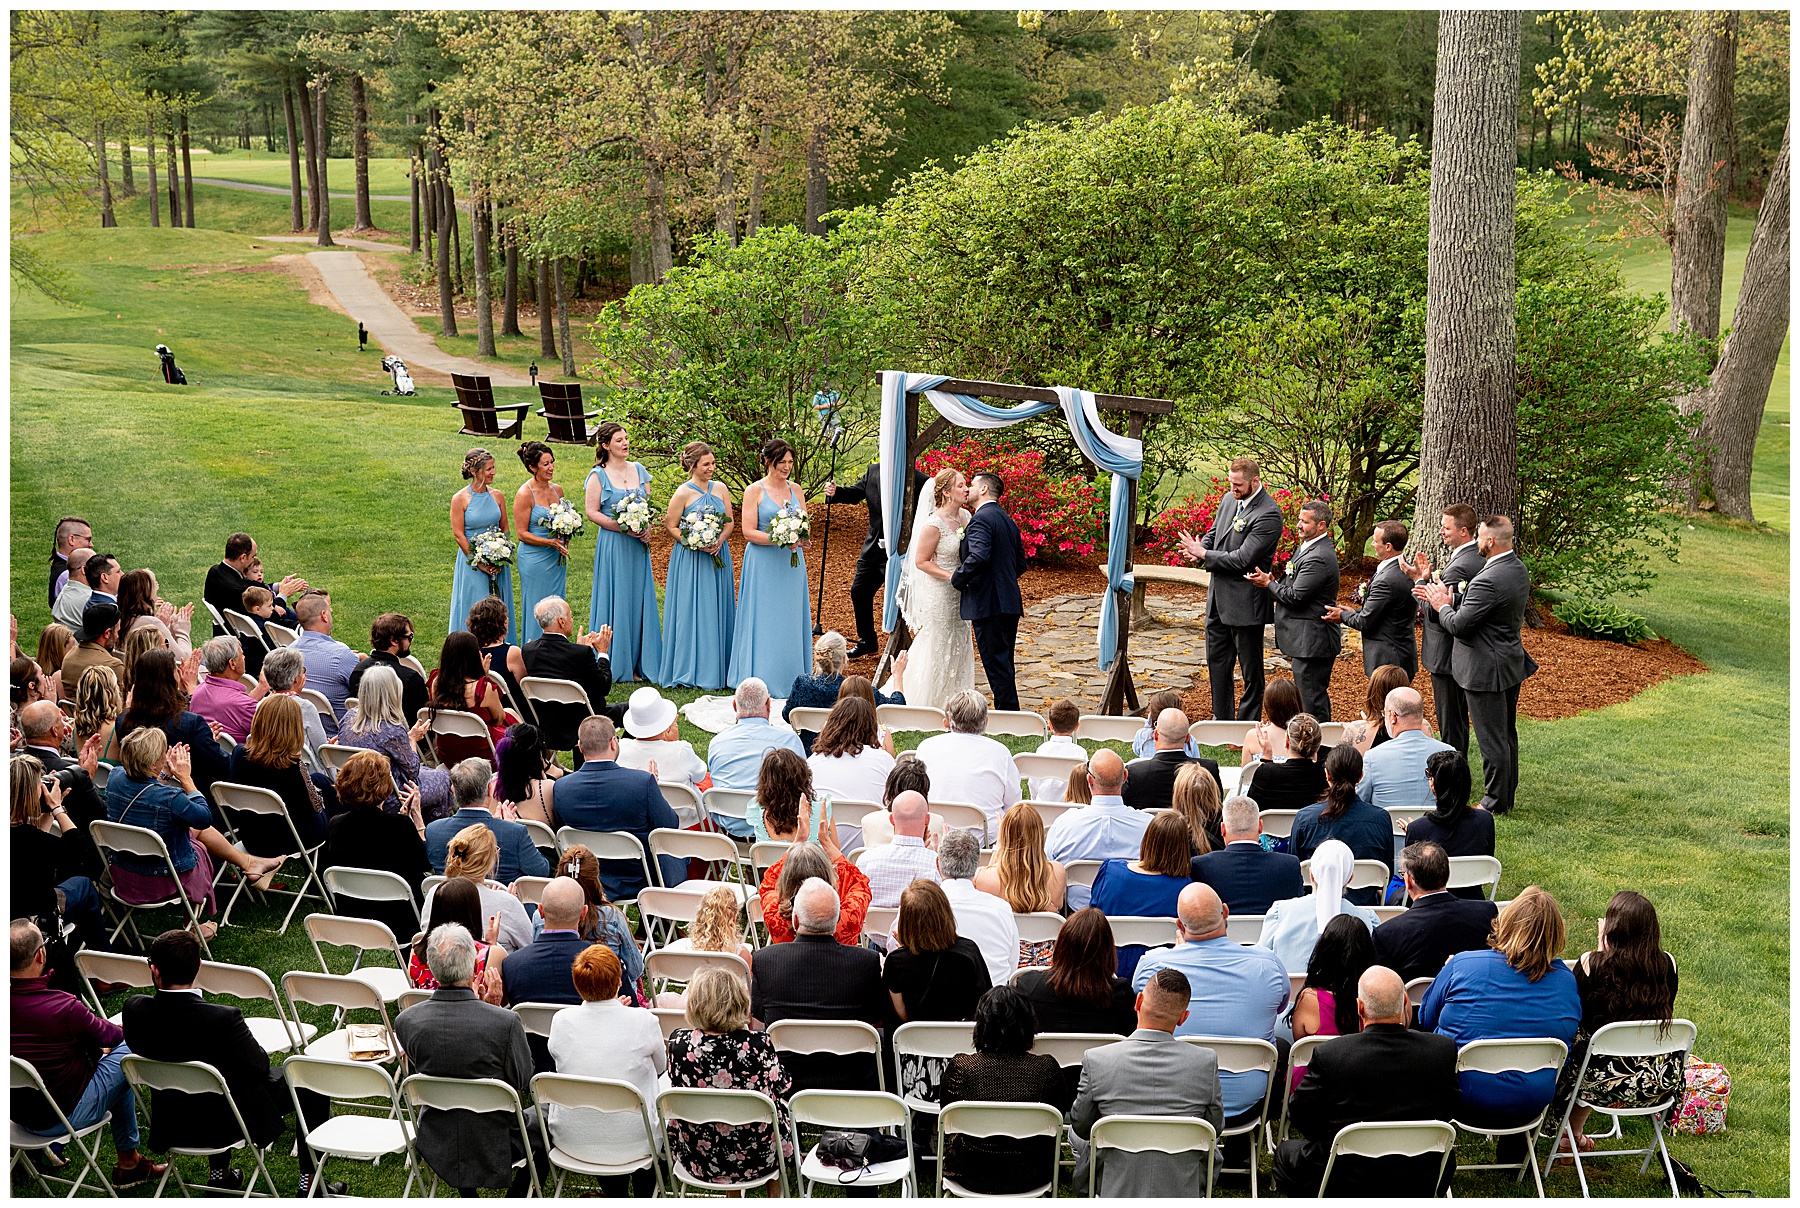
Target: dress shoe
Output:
[(127, 1176), (329, 1189), (862, 650)]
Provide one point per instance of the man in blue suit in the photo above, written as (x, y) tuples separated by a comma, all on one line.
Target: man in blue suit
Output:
[(602, 796), (469, 782), (544, 969), (993, 558), (1246, 878)]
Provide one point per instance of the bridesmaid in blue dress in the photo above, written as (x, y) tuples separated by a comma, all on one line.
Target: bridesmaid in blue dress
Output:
[(543, 560), (473, 511), (624, 588), (698, 602), (773, 636)]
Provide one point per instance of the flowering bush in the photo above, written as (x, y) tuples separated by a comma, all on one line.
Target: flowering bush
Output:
[(1195, 516), (1056, 518)]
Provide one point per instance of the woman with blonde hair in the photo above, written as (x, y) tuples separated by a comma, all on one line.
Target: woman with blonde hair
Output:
[(820, 690), (1023, 875), (269, 758), (606, 923), (473, 855), (54, 644), (378, 724), (137, 644), (715, 929), (1078, 791), (717, 1048), (98, 700), (1196, 798), (699, 597)]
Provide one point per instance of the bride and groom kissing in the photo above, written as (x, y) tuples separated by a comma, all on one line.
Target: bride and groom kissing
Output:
[(963, 569)]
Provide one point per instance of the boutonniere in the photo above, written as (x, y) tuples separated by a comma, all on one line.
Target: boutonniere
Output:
[(1237, 525), (961, 531), (1462, 585)]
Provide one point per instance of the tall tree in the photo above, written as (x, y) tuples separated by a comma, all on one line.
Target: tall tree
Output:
[(359, 144), (509, 316), (295, 193), (1469, 443), (323, 150), (303, 100), (1697, 227), (187, 172), (546, 312)]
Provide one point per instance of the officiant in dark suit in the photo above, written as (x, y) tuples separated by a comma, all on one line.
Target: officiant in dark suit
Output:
[(871, 564), (1302, 595), (993, 558), (1389, 611), (1243, 537)]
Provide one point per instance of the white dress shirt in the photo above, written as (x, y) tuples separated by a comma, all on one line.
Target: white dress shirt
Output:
[(895, 865), (975, 769), (859, 777), (1108, 829), (988, 921), (605, 1040), (1052, 788), (674, 760)]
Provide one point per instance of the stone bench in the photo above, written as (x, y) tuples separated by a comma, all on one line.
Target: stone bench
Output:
[(1143, 573)]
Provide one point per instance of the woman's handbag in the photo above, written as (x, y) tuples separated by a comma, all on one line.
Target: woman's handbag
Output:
[(1703, 1105)]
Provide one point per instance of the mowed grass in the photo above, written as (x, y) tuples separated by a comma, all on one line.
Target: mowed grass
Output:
[(387, 175), (1679, 793)]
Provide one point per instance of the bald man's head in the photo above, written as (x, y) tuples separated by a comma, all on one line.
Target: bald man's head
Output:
[(1201, 913), (562, 904), (1407, 708), (1171, 730), (1381, 996), (38, 721), (1106, 773), (911, 814)]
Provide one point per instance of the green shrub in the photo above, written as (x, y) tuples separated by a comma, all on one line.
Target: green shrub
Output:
[(1607, 622)]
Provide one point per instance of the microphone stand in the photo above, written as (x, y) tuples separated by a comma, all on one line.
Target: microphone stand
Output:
[(825, 404)]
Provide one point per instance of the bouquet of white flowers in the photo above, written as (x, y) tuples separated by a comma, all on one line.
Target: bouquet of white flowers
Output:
[(633, 513), (789, 527), (700, 530), (564, 522), (492, 548)]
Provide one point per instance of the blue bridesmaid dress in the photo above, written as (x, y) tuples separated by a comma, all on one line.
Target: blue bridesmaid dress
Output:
[(624, 589), (470, 585), (699, 607), (773, 636), (542, 572)]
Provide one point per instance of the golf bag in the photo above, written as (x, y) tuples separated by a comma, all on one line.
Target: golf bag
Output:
[(403, 383), (171, 372)]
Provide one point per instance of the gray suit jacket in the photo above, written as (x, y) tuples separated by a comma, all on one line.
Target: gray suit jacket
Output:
[(1435, 644), (1386, 621), (1149, 1073), (1230, 600), (455, 1035), (1488, 656), (1301, 598)]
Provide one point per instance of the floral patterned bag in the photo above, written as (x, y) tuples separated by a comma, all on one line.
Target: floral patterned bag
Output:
[(1703, 1106)]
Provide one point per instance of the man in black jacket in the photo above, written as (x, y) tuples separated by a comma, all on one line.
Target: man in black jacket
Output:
[(1244, 533), (226, 581), (1438, 925), (1150, 781), (1457, 531), (871, 563), (584, 660), (1389, 611), (815, 977), (992, 559), (1305, 591), (390, 640), (1247, 878), (1384, 1072), (72, 533)]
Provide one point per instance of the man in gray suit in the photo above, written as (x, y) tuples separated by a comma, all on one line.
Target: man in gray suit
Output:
[(1386, 618), (1457, 531), (1302, 595), (1244, 533), (1488, 661), (1149, 1073), (456, 1035)]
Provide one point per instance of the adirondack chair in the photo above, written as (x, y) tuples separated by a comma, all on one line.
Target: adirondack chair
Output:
[(562, 411), (482, 416)]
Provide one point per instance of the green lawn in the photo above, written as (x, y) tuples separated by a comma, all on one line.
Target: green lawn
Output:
[(387, 176)]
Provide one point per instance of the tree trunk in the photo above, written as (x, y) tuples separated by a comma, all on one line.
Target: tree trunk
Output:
[(359, 147), (268, 127), (817, 180), (150, 164), (1733, 403), (546, 317), (753, 219), (1469, 447), (293, 150), (456, 261), (562, 320), (428, 194), (174, 176), (308, 135), (484, 295), (509, 313), (323, 125), (1697, 225), (187, 171), (107, 217), (656, 196), (128, 183), (412, 172), (640, 274), (446, 299)]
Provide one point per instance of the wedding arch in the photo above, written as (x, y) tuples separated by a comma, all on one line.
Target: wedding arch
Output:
[(959, 403)]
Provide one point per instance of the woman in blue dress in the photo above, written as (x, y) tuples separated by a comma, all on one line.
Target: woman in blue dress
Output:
[(624, 589), (473, 511), (773, 637), (543, 560), (699, 601)]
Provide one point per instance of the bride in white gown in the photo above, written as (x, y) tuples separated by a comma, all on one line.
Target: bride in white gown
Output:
[(942, 661)]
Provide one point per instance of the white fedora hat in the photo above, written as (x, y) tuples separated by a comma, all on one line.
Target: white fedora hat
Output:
[(648, 714)]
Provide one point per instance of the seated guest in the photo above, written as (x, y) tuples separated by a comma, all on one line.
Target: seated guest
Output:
[(221, 698), (1365, 829), (863, 689), (735, 754), (820, 689), (328, 661), (489, 621), (906, 858), (908, 776), (72, 533), (44, 728), (1326, 1004), (1394, 772), (527, 769), (455, 1035), (982, 917), (717, 1048), (54, 643), (605, 923), (1150, 884), (1291, 927), (459, 902), (1078, 791), (1150, 782), (932, 973), (77, 1054), (226, 581), (1148, 1074), (141, 607), (1143, 743), (376, 724), (602, 796), (103, 573), (74, 594), (460, 683), (604, 1038), (1419, 941), (980, 767), (1630, 977), (1456, 826), (98, 700), (1373, 723), (270, 759), (1200, 801), (99, 633), (473, 855), (782, 879), (259, 606), (543, 970), (784, 787), (365, 836), (1386, 1071), (1292, 783), (134, 647), (818, 977), (559, 655), (1267, 739), (1022, 876), (29, 686), (284, 670), (177, 1024), (50, 860), (390, 640), (847, 757), (1106, 829), (1063, 715), (1080, 992), (1003, 1069), (469, 781), (656, 745)]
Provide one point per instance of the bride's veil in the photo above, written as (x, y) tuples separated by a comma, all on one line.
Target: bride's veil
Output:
[(927, 505)]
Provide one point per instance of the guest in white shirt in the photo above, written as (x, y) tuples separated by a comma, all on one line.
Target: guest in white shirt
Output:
[(1064, 715), (847, 760), (907, 776), (1105, 829), (906, 858), (969, 766), (980, 917), (604, 1038), (652, 721)]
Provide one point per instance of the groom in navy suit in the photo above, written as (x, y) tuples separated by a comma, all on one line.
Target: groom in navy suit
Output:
[(993, 558)]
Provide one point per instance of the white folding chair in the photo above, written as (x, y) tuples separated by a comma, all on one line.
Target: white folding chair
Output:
[(1469, 871), (1039, 927), (1278, 824), (729, 803), (571, 1094), (878, 922), (670, 1020), (530, 889), (86, 1147), (1212, 733), (335, 757), (277, 1035), (248, 799), (1384, 913), (1511, 1056), (245, 631), (281, 635), (469, 732), (685, 800), (342, 994), (764, 853), (663, 967), (848, 814), (737, 1108), (837, 1037), (685, 845), (355, 1135), (553, 700), (1150, 931), (1415, 993), (1404, 815), (1050, 811), (1331, 733), (1069, 1048), (409, 660), (989, 1119), (411, 998), (963, 816), (145, 844), (483, 1096), (1365, 874), (808, 719), (1046, 767), (1081, 872), (1391, 1139), (542, 837), (365, 936), (1244, 1055), (194, 1078), (1299, 1056), (1020, 723), (371, 885), (609, 845), (851, 1109), (120, 968), (1101, 728), (218, 619), (1152, 1134), (923, 1039), (1244, 928), (674, 907), (507, 696), (319, 700), (1630, 1038), (922, 719), (537, 1016)]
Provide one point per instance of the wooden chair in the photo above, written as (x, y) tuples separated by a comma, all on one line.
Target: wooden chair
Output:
[(562, 411), (481, 414)]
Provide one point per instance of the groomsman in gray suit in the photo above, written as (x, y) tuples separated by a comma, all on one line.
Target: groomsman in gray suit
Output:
[(1457, 530), (1488, 661), (1302, 595), (1243, 537), (1386, 618), (1149, 1073)]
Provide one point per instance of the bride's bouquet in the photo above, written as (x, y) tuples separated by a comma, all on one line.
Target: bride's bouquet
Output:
[(492, 548), (564, 522), (633, 514), (789, 527), (700, 530)]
